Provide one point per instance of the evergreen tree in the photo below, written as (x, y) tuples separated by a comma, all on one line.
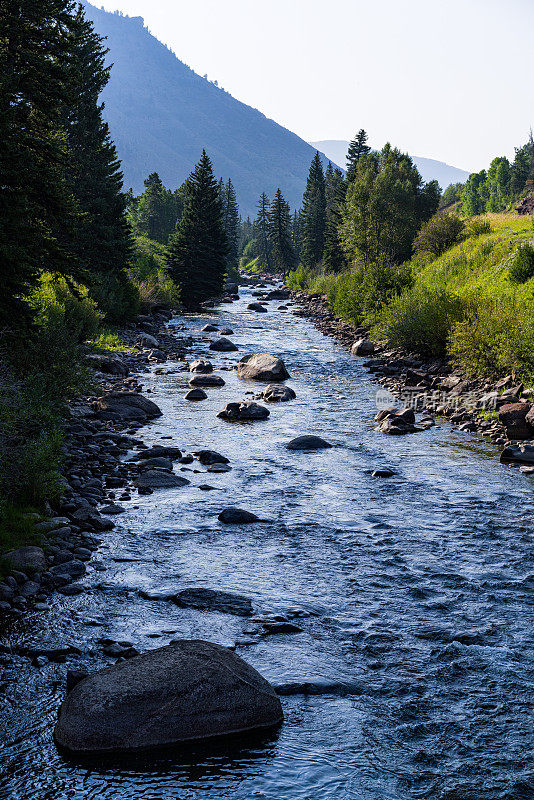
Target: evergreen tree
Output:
[(313, 215), (38, 213), (231, 227), (197, 251), (103, 241), (335, 191), (474, 194), (159, 210), (357, 148), (263, 247), (296, 233), (279, 220)]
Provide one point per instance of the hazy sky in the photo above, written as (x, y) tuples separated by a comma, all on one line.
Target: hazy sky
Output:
[(445, 79)]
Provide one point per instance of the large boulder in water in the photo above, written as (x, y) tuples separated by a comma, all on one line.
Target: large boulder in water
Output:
[(262, 367), (189, 690), (223, 345), (257, 307), (515, 418), (201, 365), (212, 600), (277, 393), (243, 412), (126, 406), (206, 380), (308, 443)]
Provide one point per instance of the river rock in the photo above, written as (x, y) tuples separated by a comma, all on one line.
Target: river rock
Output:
[(158, 479), (186, 691), (113, 509), (278, 393), (26, 559), (397, 423), (201, 366), (514, 417), (147, 340), (196, 394), (278, 294), (363, 347), (256, 307), (126, 406), (209, 381), (158, 451), (262, 367), (308, 443), (159, 462), (72, 569), (209, 328), (108, 364), (243, 412), (212, 600), (236, 516), (382, 472), (519, 453), (208, 457), (223, 345), (226, 332)]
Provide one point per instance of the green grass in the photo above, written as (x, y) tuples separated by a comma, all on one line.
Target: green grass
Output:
[(108, 341)]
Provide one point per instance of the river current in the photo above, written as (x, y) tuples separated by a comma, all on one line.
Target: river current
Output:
[(415, 591)]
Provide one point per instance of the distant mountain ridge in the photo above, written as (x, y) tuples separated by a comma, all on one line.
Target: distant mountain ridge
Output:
[(430, 169), (162, 114)]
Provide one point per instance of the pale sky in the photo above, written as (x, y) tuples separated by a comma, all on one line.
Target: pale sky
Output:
[(445, 79)]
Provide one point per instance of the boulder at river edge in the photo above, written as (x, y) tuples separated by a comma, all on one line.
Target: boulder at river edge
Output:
[(189, 690), (363, 347), (262, 367)]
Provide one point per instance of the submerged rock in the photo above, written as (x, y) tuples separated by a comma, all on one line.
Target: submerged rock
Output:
[(243, 412), (308, 443), (520, 453), (183, 692), (382, 472), (236, 516), (262, 367), (223, 345), (208, 457), (209, 328), (212, 600)]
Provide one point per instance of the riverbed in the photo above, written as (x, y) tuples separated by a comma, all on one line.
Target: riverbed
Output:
[(413, 592)]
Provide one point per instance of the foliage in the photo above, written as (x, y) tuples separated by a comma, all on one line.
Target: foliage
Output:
[(115, 294), (230, 215), (148, 258), (313, 217), (263, 249), (419, 320), (197, 252), (495, 338), (522, 267), (156, 212), (279, 221), (109, 341), (451, 195), (386, 204), (335, 191), (357, 148), (438, 234)]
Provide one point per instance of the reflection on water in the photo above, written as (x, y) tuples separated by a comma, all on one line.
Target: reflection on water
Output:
[(416, 590)]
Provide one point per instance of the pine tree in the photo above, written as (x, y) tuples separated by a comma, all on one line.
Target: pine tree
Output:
[(335, 191), (313, 215), (296, 233), (159, 210), (38, 213), (262, 233), (279, 220), (103, 242), (357, 148), (231, 227), (197, 251)]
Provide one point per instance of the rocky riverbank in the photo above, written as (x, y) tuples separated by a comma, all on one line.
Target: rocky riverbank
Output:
[(501, 411)]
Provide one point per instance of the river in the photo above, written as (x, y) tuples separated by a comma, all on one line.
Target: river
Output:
[(416, 590)]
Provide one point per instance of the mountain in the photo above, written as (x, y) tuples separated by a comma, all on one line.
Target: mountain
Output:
[(444, 174), (161, 114)]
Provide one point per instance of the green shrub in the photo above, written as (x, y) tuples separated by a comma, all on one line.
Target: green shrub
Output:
[(522, 267), (477, 227), (438, 234), (495, 338), (420, 320), (116, 296), (148, 258)]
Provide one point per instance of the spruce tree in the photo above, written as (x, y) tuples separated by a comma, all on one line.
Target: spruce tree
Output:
[(159, 210), (296, 233), (313, 215), (335, 191), (357, 148), (197, 252), (231, 227), (262, 233), (38, 213), (279, 219), (103, 242)]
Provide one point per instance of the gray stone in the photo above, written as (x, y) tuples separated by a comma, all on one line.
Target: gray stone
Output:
[(72, 569), (196, 395), (126, 406), (147, 340), (158, 462), (112, 509), (256, 307), (236, 516), (189, 690), (212, 600), (223, 345), (209, 328), (262, 367), (27, 559), (208, 457), (208, 381), (308, 443), (226, 332), (363, 347), (278, 393), (243, 412), (157, 479), (201, 366)]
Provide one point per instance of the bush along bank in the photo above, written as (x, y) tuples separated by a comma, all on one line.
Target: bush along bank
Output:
[(502, 411), (97, 433)]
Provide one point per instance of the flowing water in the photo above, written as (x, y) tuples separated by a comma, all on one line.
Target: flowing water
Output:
[(415, 590)]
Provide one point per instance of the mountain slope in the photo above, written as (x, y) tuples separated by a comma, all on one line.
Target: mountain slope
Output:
[(161, 114), (444, 174)]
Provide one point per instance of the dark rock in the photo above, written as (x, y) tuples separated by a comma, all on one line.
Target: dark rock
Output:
[(158, 479), (187, 691), (226, 332), (212, 600), (126, 406), (71, 589), (108, 364), (236, 516), (71, 569), (196, 394), (208, 381), (113, 509), (243, 412), (200, 366), (158, 451), (383, 472), (27, 559), (270, 628), (209, 328), (158, 462), (262, 367), (278, 393), (256, 307), (363, 347), (74, 676), (223, 345), (520, 453), (208, 457), (308, 443), (515, 418)]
